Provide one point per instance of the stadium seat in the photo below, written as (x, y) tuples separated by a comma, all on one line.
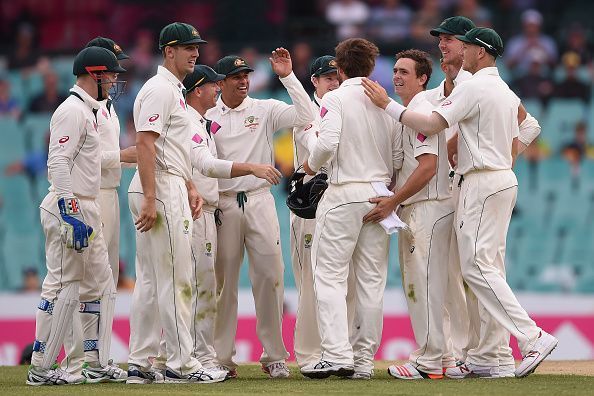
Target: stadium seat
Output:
[(559, 122), (12, 137), (37, 127)]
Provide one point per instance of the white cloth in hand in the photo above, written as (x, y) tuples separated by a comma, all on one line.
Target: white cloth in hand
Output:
[(392, 223)]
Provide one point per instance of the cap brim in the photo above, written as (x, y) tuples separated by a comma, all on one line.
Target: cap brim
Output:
[(194, 41), (240, 69), (439, 30), (219, 77), (118, 69), (122, 56), (333, 70), (466, 40)]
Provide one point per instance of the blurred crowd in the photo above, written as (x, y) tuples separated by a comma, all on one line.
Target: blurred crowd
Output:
[(549, 48)]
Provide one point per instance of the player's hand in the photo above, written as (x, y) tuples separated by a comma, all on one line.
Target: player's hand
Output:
[(385, 206), (267, 172), (148, 215), (307, 169), (195, 200), (376, 93), (453, 151), (281, 62), (75, 233), (129, 155)]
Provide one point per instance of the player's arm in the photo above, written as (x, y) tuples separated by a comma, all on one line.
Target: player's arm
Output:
[(417, 180), (195, 199), (301, 112), (329, 136), (427, 124), (529, 130), (114, 158), (453, 149), (145, 147)]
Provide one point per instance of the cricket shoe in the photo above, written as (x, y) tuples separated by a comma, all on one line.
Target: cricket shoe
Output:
[(410, 372), (542, 348), (138, 376), (201, 376), (324, 369), (231, 373), (361, 375), (276, 370), (110, 373), (470, 370), (38, 376)]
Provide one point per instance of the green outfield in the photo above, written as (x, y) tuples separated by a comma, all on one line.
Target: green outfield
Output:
[(252, 381)]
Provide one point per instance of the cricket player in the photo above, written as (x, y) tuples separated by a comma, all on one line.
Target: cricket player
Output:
[(112, 157), (243, 130), (492, 358), (76, 255), (423, 191), (486, 111), (163, 202), (365, 147), (324, 78), (202, 89)]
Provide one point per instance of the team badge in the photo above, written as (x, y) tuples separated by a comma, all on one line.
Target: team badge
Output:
[(332, 63), (239, 62), (251, 122), (209, 249), (186, 226), (117, 49), (195, 33), (308, 240)]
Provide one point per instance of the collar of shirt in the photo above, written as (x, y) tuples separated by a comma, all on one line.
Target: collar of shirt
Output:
[(419, 97), (462, 76), (163, 71), (194, 114), (316, 100), (87, 99), (351, 81), (487, 71), (225, 109)]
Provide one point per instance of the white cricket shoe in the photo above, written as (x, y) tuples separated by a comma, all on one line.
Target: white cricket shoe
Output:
[(110, 373), (361, 375), (409, 372), (542, 348), (231, 373), (201, 376), (469, 370), (324, 369), (38, 376), (138, 376), (277, 370)]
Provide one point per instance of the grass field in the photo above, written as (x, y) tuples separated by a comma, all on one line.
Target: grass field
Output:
[(252, 381)]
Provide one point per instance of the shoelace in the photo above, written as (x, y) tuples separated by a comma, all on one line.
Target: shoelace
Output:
[(241, 200)]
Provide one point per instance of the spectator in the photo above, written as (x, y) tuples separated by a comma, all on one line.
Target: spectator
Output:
[(536, 84), (30, 280), (530, 44), (390, 22), (9, 106), (428, 16), (51, 97), (473, 10), (143, 55), (261, 76), (24, 55), (349, 17), (571, 87), (577, 42), (575, 151), (211, 53)]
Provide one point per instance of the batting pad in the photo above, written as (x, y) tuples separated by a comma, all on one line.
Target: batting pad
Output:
[(53, 324), (97, 319)]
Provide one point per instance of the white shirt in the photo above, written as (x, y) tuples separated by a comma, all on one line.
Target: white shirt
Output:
[(108, 125), (160, 107), (415, 144), (74, 156), (363, 143), (437, 95), (245, 133), (486, 111), (205, 165)]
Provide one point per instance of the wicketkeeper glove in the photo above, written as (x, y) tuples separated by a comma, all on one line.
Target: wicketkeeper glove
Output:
[(74, 231)]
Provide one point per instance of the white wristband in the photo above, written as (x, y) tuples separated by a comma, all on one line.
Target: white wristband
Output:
[(395, 110)]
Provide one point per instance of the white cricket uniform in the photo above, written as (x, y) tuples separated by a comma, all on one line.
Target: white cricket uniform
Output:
[(74, 170), (249, 219), (363, 145), (162, 296), (486, 112), (429, 214)]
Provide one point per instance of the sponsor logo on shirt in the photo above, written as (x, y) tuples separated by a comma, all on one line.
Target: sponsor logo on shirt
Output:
[(446, 103), (421, 138), (197, 138), (251, 122), (64, 139), (153, 118), (323, 112), (214, 127), (308, 127)]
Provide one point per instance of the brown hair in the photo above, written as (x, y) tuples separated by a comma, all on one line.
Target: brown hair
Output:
[(356, 57), (423, 64)]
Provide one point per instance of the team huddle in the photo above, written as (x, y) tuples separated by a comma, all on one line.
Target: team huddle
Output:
[(437, 169)]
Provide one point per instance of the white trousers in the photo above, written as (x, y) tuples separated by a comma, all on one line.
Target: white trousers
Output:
[(341, 237), (424, 267), (484, 210), (109, 206), (253, 228), (162, 299)]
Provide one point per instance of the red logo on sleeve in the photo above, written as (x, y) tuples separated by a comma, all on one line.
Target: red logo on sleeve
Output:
[(153, 118), (64, 139), (421, 138), (197, 138), (308, 127), (446, 103), (323, 112)]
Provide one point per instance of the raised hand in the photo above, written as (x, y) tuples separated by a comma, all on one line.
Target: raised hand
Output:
[(376, 93), (281, 63)]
